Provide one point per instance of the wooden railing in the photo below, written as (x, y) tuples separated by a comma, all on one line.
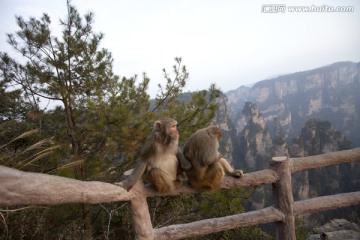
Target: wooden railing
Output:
[(17, 187)]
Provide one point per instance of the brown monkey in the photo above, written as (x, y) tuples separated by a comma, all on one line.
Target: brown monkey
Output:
[(161, 160), (208, 167)]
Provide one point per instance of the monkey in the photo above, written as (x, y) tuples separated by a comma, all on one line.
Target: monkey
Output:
[(208, 167), (161, 161)]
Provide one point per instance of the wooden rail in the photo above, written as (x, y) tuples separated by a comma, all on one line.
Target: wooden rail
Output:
[(17, 187)]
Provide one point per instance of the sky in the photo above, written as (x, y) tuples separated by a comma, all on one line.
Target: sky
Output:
[(230, 43)]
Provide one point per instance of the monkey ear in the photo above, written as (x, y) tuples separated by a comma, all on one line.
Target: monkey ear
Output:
[(157, 125)]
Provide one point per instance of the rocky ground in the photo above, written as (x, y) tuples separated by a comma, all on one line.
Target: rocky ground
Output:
[(337, 229)]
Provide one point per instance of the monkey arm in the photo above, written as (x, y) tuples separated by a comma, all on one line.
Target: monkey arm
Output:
[(134, 177), (184, 163), (229, 170)]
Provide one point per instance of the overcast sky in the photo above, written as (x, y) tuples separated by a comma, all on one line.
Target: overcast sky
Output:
[(230, 43)]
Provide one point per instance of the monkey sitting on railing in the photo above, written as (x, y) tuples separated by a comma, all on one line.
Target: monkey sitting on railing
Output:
[(161, 161), (208, 167)]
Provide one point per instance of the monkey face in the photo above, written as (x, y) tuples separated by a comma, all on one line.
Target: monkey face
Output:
[(215, 131), (219, 135), (166, 128), (174, 132)]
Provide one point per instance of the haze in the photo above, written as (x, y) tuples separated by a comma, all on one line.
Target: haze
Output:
[(230, 43)]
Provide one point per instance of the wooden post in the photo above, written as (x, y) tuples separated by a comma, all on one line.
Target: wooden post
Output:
[(140, 214), (283, 198), (139, 211)]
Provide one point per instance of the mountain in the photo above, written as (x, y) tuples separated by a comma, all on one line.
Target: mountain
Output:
[(328, 93), (300, 114)]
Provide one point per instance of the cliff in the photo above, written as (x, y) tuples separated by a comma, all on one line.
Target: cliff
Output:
[(300, 114), (328, 93)]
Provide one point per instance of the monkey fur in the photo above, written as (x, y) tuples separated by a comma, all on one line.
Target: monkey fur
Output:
[(208, 167), (161, 160)]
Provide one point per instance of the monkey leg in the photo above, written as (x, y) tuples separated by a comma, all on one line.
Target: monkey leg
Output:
[(229, 170), (162, 182), (210, 180)]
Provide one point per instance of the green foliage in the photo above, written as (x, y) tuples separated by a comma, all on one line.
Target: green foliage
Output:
[(300, 231), (96, 132), (105, 115), (187, 208), (25, 148), (192, 112), (100, 125), (248, 233), (12, 105), (226, 201), (69, 69)]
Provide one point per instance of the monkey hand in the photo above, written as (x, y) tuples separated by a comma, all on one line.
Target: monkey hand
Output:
[(237, 173), (184, 163), (181, 176)]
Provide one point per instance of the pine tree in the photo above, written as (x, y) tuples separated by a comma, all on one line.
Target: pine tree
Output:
[(67, 69), (107, 118)]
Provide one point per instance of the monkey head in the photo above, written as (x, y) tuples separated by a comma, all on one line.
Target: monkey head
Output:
[(214, 131), (165, 130)]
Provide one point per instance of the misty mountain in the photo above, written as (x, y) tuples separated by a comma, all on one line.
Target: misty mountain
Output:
[(300, 114), (330, 93)]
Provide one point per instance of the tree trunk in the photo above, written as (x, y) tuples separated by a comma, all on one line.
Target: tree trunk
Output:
[(80, 169)]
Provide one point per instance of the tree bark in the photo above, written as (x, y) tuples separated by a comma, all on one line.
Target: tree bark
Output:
[(140, 214), (207, 226), (283, 198), (325, 203), (18, 188), (324, 160)]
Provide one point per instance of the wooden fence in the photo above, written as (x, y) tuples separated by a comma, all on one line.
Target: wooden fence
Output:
[(17, 187)]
